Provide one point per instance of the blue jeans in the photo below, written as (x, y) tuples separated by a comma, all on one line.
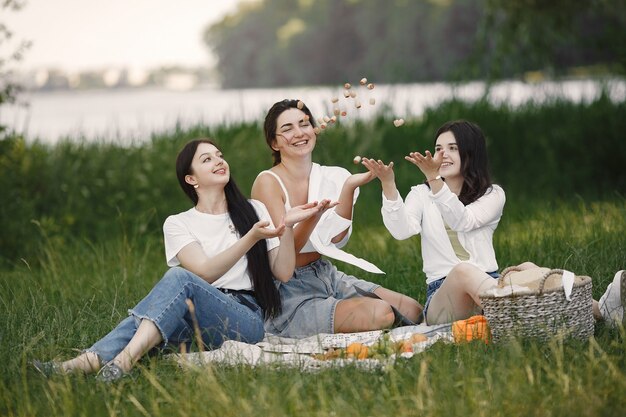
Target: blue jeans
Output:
[(220, 316)]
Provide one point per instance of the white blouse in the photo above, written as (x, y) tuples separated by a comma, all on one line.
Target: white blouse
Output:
[(425, 213)]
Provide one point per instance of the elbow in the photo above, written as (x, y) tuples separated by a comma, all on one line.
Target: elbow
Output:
[(401, 236), (283, 276)]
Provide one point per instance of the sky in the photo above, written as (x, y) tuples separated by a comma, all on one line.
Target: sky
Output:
[(77, 35)]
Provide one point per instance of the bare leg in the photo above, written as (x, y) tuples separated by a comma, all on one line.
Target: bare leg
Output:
[(362, 314), (87, 362), (457, 298), (409, 308), (146, 337), (596, 311)]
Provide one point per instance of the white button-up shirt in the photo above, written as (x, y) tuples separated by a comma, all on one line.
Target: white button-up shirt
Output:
[(425, 213)]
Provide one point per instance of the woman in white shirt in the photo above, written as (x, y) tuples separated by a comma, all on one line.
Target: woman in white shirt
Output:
[(224, 253), (456, 211), (319, 298)]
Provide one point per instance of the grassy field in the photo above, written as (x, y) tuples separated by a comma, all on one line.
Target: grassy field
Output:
[(83, 289), (81, 242)]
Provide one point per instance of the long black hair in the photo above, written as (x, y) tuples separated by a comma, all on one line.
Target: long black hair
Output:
[(474, 162), (269, 126), (243, 216)]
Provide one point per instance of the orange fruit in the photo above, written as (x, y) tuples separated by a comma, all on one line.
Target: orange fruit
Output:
[(417, 338), (356, 349)]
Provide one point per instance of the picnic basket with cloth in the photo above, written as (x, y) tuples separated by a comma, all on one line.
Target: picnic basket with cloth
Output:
[(539, 303)]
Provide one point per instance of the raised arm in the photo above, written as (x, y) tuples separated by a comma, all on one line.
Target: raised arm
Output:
[(346, 198), (193, 258), (401, 220), (386, 176)]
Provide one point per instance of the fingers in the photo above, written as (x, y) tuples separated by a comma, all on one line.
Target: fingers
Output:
[(262, 224)]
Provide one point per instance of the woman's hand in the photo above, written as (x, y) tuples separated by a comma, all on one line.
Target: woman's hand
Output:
[(427, 163), (326, 204), (357, 180), (260, 230), (303, 212), (383, 172)]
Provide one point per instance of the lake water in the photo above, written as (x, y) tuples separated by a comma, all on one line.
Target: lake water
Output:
[(133, 114)]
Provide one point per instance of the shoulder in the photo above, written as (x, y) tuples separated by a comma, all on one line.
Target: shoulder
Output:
[(179, 220), (266, 182), (495, 189)]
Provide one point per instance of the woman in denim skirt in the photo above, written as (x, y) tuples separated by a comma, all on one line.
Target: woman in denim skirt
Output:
[(224, 252), (319, 298)]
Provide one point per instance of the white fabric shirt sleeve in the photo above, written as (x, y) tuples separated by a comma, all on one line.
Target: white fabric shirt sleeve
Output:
[(176, 236), (403, 220), (486, 210)]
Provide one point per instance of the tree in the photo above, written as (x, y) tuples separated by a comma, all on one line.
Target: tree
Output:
[(552, 35), (9, 89)]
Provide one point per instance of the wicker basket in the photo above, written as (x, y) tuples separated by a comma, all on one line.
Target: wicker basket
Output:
[(540, 314)]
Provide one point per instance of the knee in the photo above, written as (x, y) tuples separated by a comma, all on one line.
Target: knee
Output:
[(177, 276), (461, 270), (384, 316)]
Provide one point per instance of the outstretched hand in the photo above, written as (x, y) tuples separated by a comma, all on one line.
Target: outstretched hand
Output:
[(299, 213), (357, 180), (260, 230), (427, 163), (383, 172)]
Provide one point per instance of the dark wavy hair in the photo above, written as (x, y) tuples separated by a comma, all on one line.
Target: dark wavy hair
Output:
[(474, 162), (269, 126), (243, 216)]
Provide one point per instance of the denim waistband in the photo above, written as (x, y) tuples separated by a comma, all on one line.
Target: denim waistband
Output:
[(239, 294), (229, 291)]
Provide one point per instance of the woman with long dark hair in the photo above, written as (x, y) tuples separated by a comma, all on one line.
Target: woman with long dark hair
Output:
[(456, 211), (224, 253), (319, 298)]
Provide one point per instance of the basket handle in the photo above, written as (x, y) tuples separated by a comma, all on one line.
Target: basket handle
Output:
[(545, 277), (510, 269), (505, 272)]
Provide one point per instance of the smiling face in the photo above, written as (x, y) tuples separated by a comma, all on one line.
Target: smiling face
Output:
[(294, 134), (208, 167), (451, 166)]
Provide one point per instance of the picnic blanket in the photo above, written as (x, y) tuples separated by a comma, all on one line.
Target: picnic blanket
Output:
[(305, 353)]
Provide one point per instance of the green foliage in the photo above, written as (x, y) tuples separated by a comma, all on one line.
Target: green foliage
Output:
[(9, 89), (277, 43), (326, 42), (554, 35), (98, 190)]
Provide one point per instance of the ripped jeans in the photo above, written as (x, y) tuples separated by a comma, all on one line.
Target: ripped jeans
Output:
[(221, 316)]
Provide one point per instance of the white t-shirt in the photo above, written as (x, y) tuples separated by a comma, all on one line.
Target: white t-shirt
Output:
[(427, 214), (214, 233)]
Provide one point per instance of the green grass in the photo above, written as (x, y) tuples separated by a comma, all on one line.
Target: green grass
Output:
[(79, 291), (81, 242)]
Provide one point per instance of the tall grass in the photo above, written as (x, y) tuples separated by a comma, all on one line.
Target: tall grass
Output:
[(82, 289), (77, 188), (81, 243)]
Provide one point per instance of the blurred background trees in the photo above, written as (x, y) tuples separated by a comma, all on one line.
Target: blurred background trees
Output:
[(312, 42), (11, 51)]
